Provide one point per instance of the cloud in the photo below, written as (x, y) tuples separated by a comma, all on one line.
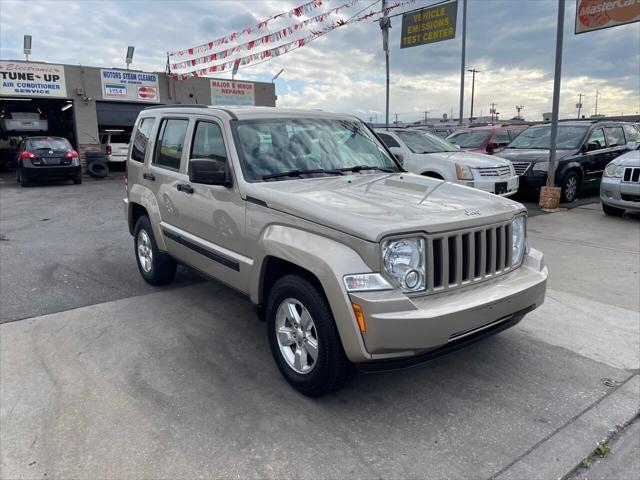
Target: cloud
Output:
[(510, 41)]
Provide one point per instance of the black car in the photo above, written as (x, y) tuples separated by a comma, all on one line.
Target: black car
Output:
[(47, 158), (584, 150)]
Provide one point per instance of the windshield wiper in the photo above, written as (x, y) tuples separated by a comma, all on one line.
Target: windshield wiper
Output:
[(359, 168), (299, 172)]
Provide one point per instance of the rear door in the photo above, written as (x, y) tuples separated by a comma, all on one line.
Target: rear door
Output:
[(594, 160), (617, 143)]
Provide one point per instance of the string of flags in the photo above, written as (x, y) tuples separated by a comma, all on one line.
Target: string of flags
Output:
[(190, 67)]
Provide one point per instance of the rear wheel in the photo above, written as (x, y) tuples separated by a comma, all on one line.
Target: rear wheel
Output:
[(77, 180), (304, 339), (570, 186), (21, 180), (155, 266), (613, 211)]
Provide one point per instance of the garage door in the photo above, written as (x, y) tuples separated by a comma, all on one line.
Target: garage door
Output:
[(111, 114)]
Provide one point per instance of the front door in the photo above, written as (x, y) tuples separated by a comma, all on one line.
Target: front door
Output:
[(595, 156)]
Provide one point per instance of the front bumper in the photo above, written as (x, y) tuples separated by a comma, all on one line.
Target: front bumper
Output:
[(620, 194), (401, 327), (489, 184), (34, 172), (533, 180)]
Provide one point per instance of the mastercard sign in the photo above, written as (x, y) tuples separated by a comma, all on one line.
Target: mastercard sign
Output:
[(598, 14)]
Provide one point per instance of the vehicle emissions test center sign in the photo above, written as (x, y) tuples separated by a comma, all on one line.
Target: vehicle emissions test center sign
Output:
[(228, 92), (32, 80), (598, 14), (129, 86), (429, 25)]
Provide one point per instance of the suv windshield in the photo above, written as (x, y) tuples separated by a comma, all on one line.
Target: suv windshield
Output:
[(422, 142), (292, 147), (48, 143), (569, 137), (469, 139)]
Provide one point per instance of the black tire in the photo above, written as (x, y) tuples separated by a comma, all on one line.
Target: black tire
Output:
[(331, 368), (162, 267), (570, 187), (77, 180), (21, 180), (613, 211), (98, 169)]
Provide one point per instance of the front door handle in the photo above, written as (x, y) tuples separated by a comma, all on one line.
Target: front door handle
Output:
[(183, 187), (149, 176)]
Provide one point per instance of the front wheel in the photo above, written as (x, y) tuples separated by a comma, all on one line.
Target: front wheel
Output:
[(570, 186), (613, 211), (155, 266), (303, 337)]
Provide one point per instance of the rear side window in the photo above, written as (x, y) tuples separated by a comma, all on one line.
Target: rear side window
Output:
[(631, 133), (615, 136), (170, 142), (209, 143), (141, 138), (501, 137), (388, 140)]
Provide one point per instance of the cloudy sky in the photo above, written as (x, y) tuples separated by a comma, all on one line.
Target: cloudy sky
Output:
[(511, 42)]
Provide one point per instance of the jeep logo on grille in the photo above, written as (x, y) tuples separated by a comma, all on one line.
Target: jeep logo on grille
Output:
[(471, 212)]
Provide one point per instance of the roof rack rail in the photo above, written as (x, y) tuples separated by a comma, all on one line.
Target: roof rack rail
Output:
[(176, 105)]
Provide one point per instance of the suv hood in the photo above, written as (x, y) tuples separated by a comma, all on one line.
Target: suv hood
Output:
[(473, 160), (371, 206), (531, 154)]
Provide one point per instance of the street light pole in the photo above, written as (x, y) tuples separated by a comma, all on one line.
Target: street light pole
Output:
[(462, 63), (579, 104), (385, 24), (473, 87), (551, 177)]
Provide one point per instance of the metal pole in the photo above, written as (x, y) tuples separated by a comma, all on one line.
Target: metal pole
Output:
[(473, 87), (551, 177), (385, 23), (597, 93), (462, 62), (579, 104)]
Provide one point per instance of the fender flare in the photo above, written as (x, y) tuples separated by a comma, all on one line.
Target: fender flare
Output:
[(312, 252), (141, 195), (566, 168)]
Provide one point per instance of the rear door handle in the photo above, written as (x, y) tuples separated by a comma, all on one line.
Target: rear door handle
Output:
[(183, 187), (149, 176)]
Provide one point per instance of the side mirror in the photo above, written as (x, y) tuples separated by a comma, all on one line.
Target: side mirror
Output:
[(492, 147), (208, 172), (584, 148)]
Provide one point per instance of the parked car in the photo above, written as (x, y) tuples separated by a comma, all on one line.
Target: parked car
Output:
[(22, 117), (349, 259), (47, 158), (620, 186), (487, 140), (584, 150), (425, 154), (115, 146)]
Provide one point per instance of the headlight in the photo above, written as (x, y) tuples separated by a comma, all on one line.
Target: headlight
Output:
[(541, 167), (517, 240), (366, 282), (404, 263), (614, 170), (463, 172)]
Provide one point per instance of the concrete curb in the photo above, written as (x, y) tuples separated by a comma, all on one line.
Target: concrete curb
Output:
[(557, 455)]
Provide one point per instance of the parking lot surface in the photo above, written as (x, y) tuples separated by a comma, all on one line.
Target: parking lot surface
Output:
[(105, 376)]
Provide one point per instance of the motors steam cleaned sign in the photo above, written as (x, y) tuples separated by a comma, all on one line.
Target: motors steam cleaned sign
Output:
[(429, 25), (130, 86), (228, 92), (598, 14), (18, 79)]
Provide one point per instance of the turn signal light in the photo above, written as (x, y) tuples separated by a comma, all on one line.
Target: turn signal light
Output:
[(108, 150), (357, 309), (72, 154)]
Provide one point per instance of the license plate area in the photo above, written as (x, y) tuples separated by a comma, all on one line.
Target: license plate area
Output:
[(500, 188), (52, 160)]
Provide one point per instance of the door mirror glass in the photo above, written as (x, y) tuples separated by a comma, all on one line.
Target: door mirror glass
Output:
[(208, 172)]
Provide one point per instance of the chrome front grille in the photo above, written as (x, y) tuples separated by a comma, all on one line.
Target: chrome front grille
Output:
[(631, 174), (521, 167), (457, 259), (503, 171)]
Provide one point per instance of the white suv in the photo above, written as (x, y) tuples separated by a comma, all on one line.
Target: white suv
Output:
[(115, 146), (426, 154)]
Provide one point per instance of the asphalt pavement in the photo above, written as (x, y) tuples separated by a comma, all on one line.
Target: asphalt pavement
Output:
[(105, 376)]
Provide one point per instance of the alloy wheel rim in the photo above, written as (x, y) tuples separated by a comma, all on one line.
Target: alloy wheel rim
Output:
[(145, 254), (297, 336), (571, 187)]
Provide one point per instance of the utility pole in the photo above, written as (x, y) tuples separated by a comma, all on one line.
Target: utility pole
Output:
[(518, 108), (579, 104), (396, 120), (385, 25), (597, 95), (426, 117), (473, 87), (492, 111), (462, 63), (551, 176)]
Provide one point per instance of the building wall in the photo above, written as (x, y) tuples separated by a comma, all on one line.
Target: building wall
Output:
[(84, 87)]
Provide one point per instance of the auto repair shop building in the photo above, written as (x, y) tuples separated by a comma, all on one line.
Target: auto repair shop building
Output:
[(82, 103)]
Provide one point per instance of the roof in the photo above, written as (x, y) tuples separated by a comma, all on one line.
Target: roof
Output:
[(250, 112)]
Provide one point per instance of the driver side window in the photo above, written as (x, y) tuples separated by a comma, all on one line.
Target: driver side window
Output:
[(209, 143), (596, 140)]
